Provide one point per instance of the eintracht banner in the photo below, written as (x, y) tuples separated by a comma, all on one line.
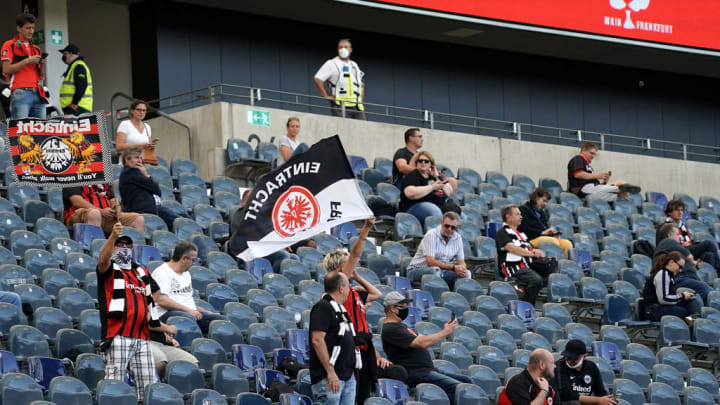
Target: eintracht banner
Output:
[(311, 193), (60, 152)]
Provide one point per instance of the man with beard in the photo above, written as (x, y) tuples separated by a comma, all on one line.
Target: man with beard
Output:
[(532, 386)]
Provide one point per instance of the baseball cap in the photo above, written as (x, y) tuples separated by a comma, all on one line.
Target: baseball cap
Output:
[(124, 238), (394, 298), (574, 349), (72, 48)]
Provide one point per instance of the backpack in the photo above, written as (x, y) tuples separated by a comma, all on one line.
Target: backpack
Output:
[(644, 248), (277, 388)]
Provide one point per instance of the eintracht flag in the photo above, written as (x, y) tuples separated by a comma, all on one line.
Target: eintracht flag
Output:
[(311, 193)]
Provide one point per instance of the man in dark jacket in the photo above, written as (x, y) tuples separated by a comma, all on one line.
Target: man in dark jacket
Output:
[(535, 222), (578, 381), (139, 192)]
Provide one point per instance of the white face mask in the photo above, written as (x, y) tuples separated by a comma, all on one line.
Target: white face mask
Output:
[(344, 53), (123, 258), (578, 365)]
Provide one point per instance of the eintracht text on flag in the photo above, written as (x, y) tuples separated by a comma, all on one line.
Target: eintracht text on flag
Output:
[(311, 193), (60, 152)]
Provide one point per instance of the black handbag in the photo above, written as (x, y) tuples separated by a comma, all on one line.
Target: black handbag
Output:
[(544, 266)]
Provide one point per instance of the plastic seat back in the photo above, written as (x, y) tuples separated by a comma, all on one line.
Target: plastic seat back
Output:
[(392, 390), (162, 394), (629, 390), (184, 376), (17, 388), (431, 394), (69, 390), (115, 392)]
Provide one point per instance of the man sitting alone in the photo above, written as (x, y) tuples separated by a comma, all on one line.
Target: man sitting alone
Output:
[(586, 183)]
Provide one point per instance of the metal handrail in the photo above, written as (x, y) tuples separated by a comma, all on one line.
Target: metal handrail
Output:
[(160, 113), (433, 119)]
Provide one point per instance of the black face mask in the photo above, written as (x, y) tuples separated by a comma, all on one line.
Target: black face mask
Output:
[(64, 59), (403, 313)]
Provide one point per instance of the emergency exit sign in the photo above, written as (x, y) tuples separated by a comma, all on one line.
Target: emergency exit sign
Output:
[(259, 118)]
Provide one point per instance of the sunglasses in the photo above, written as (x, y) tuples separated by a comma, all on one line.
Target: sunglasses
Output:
[(123, 244), (448, 226), (140, 109), (423, 161)]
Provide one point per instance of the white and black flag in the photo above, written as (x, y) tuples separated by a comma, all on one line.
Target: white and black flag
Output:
[(311, 193)]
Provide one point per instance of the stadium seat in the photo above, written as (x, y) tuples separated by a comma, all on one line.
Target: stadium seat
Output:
[(259, 299), (698, 377), (77, 264), (21, 240), (673, 357), (69, 390), (523, 181), (44, 369), (185, 228), (457, 354), (187, 328), (208, 352), (33, 295), (669, 375), (46, 319), (634, 371), (114, 392), (17, 388), (550, 185), (629, 390), (184, 376), (455, 303), (673, 331), (469, 175), (90, 369), (616, 335), (498, 179), (435, 285), (579, 331), (467, 337), (55, 279), (431, 394), (549, 328), (161, 394), (277, 285), (640, 353), (264, 336), (228, 380), (560, 288), (570, 200), (502, 340), (493, 358), (60, 247), (697, 396), (264, 377), (661, 393), (485, 378), (603, 271), (220, 294), (531, 341), (477, 321), (634, 277), (73, 301), (406, 226), (279, 318), (504, 292), (511, 324)]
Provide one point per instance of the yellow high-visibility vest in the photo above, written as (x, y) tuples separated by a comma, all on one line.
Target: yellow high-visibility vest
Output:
[(67, 89), (350, 85)]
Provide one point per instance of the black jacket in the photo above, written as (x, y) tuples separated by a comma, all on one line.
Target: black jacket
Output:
[(531, 225), (571, 383), (136, 191)]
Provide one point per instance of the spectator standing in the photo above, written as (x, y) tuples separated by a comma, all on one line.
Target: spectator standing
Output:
[(532, 386), (289, 142), (705, 250), (24, 63), (374, 365), (95, 205), (515, 254), (535, 222), (585, 183), (76, 91), (333, 357), (660, 293), (404, 158), (424, 190), (579, 381), (134, 132), (668, 240), (126, 308), (346, 81), (175, 284), (441, 249), (139, 191), (404, 347)]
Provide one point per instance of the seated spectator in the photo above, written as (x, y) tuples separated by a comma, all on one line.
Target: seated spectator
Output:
[(176, 287), (166, 349), (535, 222), (96, 205), (410, 350), (705, 250), (660, 292), (668, 240), (585, 183), (425, 191), (579, 381), (135, 133), (441, 249), (289, 143), (515, 254), (374, 365), (139, 191), (532, 386)]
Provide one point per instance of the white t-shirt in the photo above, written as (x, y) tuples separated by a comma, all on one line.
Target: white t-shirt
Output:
[(285, 141), (329, 70), (177, 286), (133, 136)]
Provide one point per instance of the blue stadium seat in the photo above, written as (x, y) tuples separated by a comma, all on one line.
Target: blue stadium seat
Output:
[(279, 318), (629, 390), (490, 306), (501, 340), (392, 390), (549, 327), (698, 377), (259, 268), (484, 377), (95, 247), (17, 388), (228, 380), (55, 279), (219, 294), (669, 375), (259, 299), (60, 247), (67, 340), (524, 311), (46, 319), (310, 290), (634, 371), (179, 165), (435, 285), (477, 321), (531, 341), (73, 301), (144, 254), (579, 331), (511, 324), (114, 392), (296, 304), (294, 270), (265, 376), (493, 358), (673, 357), (380, 265), (457, 354), (185, 228), (90, 369), (592, 288), (431, 394), (560, 288), (641, 353), (33, 295), (21, 240), (406, 226), (188, 330), (372, 177), (570, 200), (634, 277), (77, 264), (248, 358), (603, 271), (184, 376), (10, 222), (504, 292), (455, 303), (673, 331), (422, 300), (163, 394), (277, 285), (49, 228), (697, 396), (661, 393), (264, 336), (208, 352), (523, 181), (44, 369)]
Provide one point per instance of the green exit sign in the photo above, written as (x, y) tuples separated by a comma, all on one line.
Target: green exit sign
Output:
[(257, 117)]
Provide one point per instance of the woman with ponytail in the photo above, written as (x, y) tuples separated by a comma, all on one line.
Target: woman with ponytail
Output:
[(661, 297)]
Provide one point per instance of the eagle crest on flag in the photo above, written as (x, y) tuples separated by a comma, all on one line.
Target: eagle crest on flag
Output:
[(30, 154), (82, 151)]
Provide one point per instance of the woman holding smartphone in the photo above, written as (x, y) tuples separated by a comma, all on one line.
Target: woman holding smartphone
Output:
[(424, 190), (661, 297), (535, 222)]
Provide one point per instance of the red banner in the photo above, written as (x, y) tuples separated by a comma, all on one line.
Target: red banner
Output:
[(60, 152), (692, 23)]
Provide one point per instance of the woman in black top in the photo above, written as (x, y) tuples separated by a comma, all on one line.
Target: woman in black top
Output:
[(660, 295), (424, 190), (535, 222)]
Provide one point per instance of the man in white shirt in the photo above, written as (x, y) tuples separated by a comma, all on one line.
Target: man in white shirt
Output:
[(346, 83), (175, 284)]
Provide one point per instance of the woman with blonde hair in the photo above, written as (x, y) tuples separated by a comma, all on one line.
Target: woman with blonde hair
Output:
[(424, 190)]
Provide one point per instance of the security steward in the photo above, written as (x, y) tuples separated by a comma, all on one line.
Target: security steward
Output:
[(579, 381), (76, 91), (346, 81)]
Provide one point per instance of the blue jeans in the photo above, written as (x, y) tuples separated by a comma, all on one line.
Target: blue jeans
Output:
[(344, 396), (424, 209), (706, 251), (203, 323), (11, 298), (700, 287), (25, 103), (169, 216), (447, 381)]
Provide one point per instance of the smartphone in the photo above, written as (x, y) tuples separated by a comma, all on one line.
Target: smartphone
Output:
[(557, 234), (452, 318), (44, 55)]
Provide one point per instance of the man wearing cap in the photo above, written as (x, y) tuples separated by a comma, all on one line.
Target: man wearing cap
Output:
[(404, 347), (126, 313), (579, 381), (532, 386), (333, 357), (76, 91)]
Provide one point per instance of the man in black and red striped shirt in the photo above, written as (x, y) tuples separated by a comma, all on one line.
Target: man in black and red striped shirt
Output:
[(95, 205), (125, 301), (373, 364)]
